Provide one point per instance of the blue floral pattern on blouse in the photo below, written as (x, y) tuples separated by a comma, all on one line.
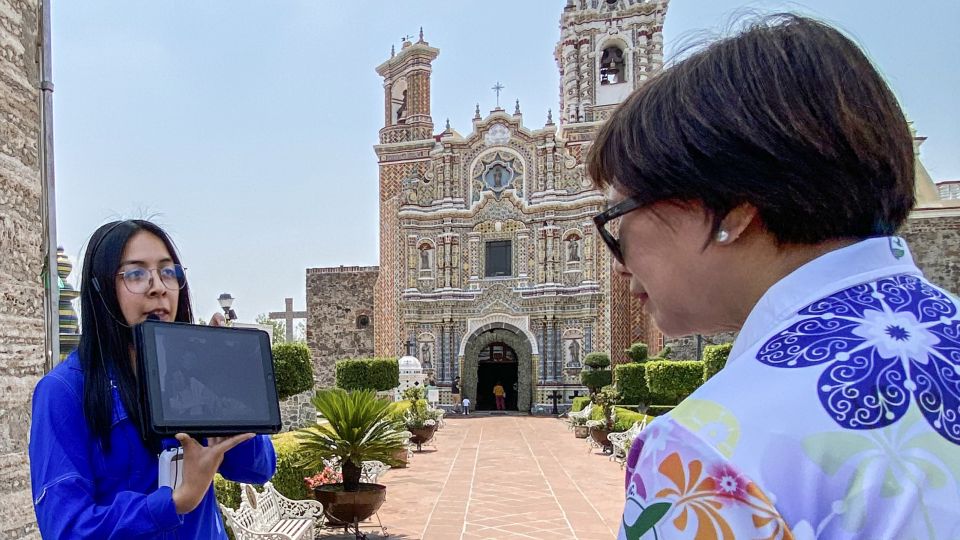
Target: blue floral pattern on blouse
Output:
[(881, 342)]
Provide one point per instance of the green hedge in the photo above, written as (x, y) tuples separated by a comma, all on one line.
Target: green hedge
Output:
[(631, 383), (579, 403), (714, 358), (288, 480), (623, 418), (368, 374), (674, 379), (292, 368), (597, 360)]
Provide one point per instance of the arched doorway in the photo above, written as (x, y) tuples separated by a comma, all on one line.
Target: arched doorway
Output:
[(497, 363), (479, 343)]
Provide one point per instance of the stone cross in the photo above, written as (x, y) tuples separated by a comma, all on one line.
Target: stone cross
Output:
[(288, 315)]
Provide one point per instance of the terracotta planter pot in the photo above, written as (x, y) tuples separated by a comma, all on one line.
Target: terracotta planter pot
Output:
[(599, 436), (581, 432), (422, 435), (345, 507)]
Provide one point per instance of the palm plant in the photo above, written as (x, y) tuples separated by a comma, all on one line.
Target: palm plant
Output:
[(358, 430)]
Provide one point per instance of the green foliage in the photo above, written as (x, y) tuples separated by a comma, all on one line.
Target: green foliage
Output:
[(398, 410), (665, 353), (625, 418), (604, 400), (293, 369), (368, 374), (414, 393), (714, 358), (579, 403), (672, 379), (638, 352), (659, 410), (279, 328), (358, 430), (631, 382), (597, 360), (420, 415), (288, 479), (595, 379)]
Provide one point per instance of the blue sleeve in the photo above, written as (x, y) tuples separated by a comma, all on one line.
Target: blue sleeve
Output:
[(63, 483), (250, 462)]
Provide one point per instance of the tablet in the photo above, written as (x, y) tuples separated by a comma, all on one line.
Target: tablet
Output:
[(205, 380)]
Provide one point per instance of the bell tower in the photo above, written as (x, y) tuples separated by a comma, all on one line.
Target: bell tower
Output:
[(607, 49), (406, 90)]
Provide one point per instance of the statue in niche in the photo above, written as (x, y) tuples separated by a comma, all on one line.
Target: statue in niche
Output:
[(426, 258), (497, 177), (573, 353), (573, 249), (426, 356)]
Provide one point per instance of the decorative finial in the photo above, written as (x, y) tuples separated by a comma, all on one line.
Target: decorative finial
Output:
[(497, 88), (393, 51), (448, 124), (549, 116), (476, 114), (407, 37), (421, 34), (517, 109)]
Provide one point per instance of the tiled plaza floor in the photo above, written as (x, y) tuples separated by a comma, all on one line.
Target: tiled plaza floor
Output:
[(503, 477)]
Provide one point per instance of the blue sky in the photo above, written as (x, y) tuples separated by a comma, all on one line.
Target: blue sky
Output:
[(245, 128)]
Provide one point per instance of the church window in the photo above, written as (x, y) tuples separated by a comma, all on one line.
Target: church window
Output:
[(363, 322), (499, 258), (612, 65)]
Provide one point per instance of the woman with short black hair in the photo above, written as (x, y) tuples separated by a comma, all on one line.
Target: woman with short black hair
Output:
[(756, 186)]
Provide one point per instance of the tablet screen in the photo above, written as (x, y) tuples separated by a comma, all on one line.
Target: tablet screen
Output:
[(209, 377)]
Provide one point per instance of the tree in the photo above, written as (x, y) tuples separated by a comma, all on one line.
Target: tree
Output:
[(279, 329)]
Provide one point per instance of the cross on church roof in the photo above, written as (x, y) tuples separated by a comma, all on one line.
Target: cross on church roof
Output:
[(497, 88), (288, 315), (407, 37)]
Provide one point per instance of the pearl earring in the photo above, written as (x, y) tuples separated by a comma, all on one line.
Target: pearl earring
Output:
[(723, 236)]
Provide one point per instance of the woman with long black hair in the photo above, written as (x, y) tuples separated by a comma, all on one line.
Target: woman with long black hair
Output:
[(93, 475)]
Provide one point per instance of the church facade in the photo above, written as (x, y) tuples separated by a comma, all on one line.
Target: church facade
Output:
[(490, 266)]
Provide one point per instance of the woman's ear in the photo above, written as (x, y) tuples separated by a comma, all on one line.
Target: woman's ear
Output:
[(735, 223)]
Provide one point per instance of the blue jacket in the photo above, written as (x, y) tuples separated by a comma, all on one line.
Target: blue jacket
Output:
[(81, 492)]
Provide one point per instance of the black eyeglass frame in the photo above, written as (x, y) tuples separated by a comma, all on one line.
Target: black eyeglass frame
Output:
[(600, 221)]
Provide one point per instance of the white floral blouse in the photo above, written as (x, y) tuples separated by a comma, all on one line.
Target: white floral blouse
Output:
[(836, 417)]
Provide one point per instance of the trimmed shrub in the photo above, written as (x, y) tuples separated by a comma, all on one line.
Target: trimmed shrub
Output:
[(377, 374), (714, 358), (579, 403), (597, 360), (638, 352), (631, 382), (659, 410), (288, 480), (595, 379), (673, 379), (623, 419), (292, 368)]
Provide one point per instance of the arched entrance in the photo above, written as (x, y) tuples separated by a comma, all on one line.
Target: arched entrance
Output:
[(497, 363), (497, 344)]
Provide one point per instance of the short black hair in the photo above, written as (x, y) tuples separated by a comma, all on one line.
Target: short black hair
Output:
[(789, 116)]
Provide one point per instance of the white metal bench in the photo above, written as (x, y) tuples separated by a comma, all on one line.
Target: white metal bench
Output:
[(583, 413), (622, 441), (268, 515)]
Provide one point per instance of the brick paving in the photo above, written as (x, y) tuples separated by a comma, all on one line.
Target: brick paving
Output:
[(510, 477)]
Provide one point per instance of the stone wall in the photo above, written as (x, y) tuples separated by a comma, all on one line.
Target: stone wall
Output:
[(21, 230), (337, 298), (297, 412), (934, 239)]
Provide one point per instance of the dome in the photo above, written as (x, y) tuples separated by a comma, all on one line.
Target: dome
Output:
[(409, 363)]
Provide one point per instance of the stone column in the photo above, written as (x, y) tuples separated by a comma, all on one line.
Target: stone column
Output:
[(413, 256), (474, 239), (457, 267)]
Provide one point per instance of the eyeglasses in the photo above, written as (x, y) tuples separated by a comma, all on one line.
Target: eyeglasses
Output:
[(139, 280), (600, 220)]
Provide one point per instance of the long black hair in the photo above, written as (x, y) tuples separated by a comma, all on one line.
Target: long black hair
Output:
[(106, 340)]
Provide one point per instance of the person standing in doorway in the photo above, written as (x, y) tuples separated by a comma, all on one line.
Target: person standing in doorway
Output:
[(500, 394), (455, 394)]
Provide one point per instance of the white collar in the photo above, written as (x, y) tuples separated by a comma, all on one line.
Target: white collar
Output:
[(865, 261)]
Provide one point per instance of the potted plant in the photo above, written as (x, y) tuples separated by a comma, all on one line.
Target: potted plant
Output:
[(580, 429), (419, 419), (605, 399), (358, 429)]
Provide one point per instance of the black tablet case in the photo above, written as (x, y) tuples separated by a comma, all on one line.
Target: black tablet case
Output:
[(205, 380)]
